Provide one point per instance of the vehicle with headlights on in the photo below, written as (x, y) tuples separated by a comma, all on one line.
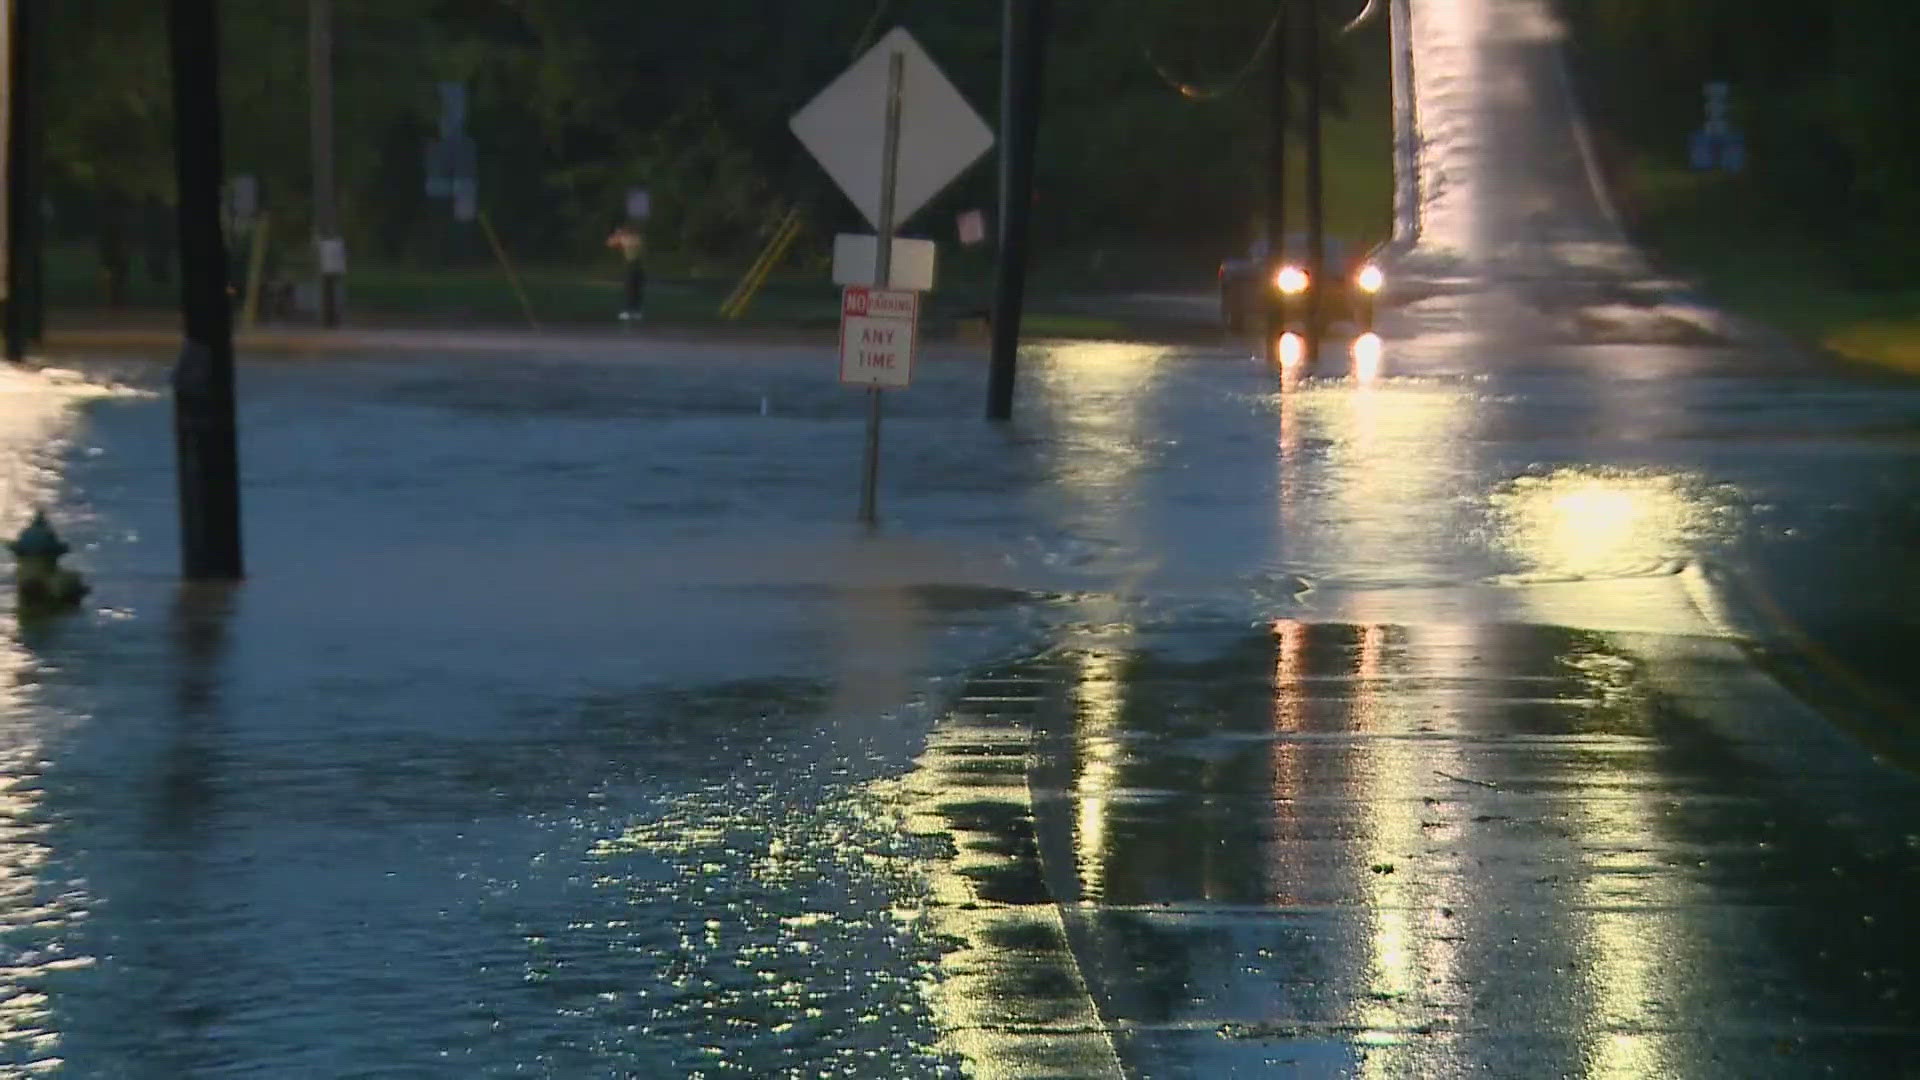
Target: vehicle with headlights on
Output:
[(1250, 287)]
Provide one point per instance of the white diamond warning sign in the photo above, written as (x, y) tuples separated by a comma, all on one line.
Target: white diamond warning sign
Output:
[(877, 332), (940, 134)]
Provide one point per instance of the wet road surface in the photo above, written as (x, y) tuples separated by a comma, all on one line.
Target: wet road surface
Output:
[(1421, 719), (1329, 849)]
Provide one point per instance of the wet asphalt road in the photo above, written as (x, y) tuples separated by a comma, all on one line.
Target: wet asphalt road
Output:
[(1517, 789), (1562, 820), (1424, 719)]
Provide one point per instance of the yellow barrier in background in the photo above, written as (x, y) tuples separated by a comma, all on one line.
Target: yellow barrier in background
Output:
[(736, 302), (513, 278), (256, 270)]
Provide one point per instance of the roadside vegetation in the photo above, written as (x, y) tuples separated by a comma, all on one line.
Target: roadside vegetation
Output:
[(1815, 235), (1151, 165)]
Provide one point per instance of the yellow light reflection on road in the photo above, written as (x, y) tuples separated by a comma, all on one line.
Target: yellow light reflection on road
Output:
[(1094, 395), (1628, 975), (1394, 887), (1102, 373), (1393, 831), (1105, 367), (1290, 638), (1095, 391), (1285, 767), (1368, 353), (1399, 883), (982, 995), (1292, 350), (1097, 696), (1576, 523), (1369, 451), (1590, 523)]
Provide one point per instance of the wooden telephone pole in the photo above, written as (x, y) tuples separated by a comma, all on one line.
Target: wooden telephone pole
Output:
[(203, 407), (1312, 73), (1023, 68), (1277, 119), (25, 230)]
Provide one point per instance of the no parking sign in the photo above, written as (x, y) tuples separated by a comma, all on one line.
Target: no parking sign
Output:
[(878, 328)]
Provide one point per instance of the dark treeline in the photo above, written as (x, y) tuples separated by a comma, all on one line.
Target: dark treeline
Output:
[(574, 101), (1825, 90)]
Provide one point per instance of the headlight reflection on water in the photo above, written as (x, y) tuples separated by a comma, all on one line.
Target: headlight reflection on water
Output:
[(1095, 390), (1293, 349), (1578, 524), (1368, 352)]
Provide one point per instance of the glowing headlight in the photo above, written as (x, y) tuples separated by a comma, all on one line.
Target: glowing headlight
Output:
[(1370, 279), (1291, 281)]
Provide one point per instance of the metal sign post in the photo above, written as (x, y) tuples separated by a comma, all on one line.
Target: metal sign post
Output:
[(882, 273), (928, 136)]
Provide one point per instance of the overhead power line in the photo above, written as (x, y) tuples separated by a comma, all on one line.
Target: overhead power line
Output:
[(1195, 92)]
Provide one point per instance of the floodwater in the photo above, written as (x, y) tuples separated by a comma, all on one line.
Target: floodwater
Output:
[(1414, 716), (567, 726)]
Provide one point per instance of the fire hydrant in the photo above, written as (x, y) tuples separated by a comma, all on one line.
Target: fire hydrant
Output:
[(40, 581)]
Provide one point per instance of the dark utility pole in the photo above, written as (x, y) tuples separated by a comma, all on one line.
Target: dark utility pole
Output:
[(203, 406), (1316, 194), (25, 163), (1022, 74), (1276, 185), (326, 224)]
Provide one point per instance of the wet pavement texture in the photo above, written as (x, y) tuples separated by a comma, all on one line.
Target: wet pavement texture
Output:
[(1424, 714)]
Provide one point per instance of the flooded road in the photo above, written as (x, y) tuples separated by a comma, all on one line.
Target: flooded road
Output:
[(567, 728), (1414, 719)]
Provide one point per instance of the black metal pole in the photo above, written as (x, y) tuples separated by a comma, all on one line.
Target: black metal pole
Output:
[(203, 407), (23, 314), (1276, 185), (1022, 74), (1316, 193), (882, 276)]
